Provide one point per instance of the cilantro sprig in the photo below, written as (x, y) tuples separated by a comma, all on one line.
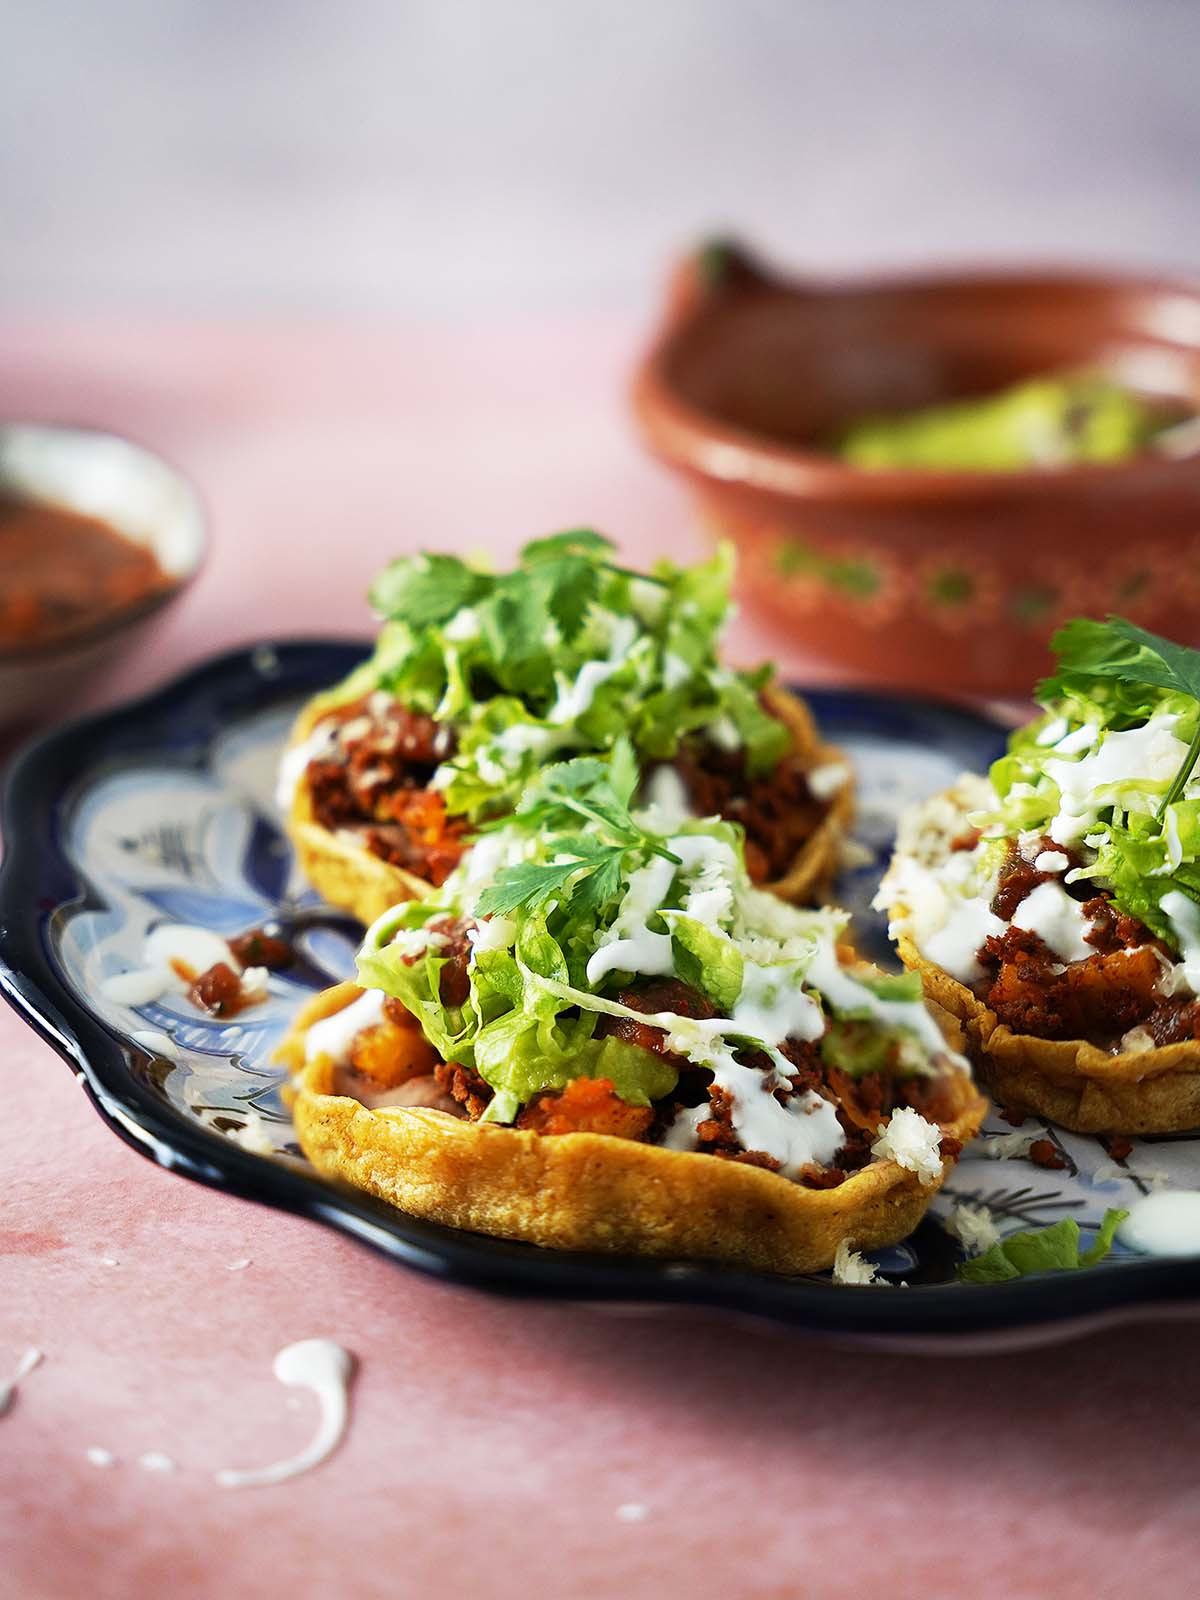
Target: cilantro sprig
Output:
[(597, 793), (557, 578), (1051, 1249), (1120, 651)]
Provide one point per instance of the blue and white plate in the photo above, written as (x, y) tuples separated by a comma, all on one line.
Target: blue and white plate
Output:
[(163, 811)]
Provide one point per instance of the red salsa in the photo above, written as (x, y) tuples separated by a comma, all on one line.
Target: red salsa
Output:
[(61, 572)]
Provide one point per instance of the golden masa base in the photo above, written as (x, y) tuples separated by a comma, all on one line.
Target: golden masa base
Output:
[(584, 1191), (347, 875)]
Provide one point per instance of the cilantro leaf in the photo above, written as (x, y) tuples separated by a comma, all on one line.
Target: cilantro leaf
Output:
[(526, 884), (623, 772), (426, 590), (602, 883), (1120, 649), (513, 623), (1052, 1249), (570, 585), (574, 541)]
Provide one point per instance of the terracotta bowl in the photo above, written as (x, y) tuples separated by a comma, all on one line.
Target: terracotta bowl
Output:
[(945, 581)]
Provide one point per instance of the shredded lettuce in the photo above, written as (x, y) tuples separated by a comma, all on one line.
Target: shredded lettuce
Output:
[(1051, 1249), (574, 872), (566, 652), (1138, 829)]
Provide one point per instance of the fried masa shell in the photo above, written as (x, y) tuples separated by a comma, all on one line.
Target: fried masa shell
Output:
[(587, 1191), (346, 874), (1068, 1081)]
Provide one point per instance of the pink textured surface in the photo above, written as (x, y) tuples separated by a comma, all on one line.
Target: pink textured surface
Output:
[(491, 1442)]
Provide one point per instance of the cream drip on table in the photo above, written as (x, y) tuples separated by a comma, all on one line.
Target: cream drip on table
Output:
[(8, 1390), (325, 1368)]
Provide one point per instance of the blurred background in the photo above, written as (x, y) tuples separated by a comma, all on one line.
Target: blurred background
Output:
[(455, 158), (378, 275)]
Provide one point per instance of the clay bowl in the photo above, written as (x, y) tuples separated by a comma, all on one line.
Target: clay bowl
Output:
[(944, 581)]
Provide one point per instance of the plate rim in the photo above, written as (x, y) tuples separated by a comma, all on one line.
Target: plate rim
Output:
[(37, 881)]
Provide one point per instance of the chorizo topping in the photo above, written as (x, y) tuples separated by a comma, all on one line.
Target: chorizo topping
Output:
[(480, 680), (1076, 913), (637, 984)]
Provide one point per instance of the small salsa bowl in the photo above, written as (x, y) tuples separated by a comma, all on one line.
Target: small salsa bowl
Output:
[(950, 581), (139, 495)]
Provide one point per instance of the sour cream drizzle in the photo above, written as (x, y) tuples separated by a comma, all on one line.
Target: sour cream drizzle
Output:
[(333, 1036), (1150, 753), (325, 1368), (1163, 1224), (1058, 921)]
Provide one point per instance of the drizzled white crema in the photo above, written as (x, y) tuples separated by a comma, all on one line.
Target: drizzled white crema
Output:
[(332, 1037), (1057, 919), (706, 864), (325, 1368), (498, 761), (1163, 1224), (1150, 754)]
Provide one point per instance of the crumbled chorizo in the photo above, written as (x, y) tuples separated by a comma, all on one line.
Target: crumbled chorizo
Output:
[(464, 1085), (1099, 998), (1174, 1020), (218, 990), (377, 778), (1113, 930), (779, 812), (665, 994)]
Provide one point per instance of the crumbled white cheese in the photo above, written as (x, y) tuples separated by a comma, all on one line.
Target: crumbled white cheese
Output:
[(1009, 1146), (825, 781), (1051, 861), (254, 985), (913, 1143), (973, 1226), (493, 933), (939, 897), (851, 1267)]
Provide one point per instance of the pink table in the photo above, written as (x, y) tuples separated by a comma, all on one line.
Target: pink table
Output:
[(493, 1444)]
